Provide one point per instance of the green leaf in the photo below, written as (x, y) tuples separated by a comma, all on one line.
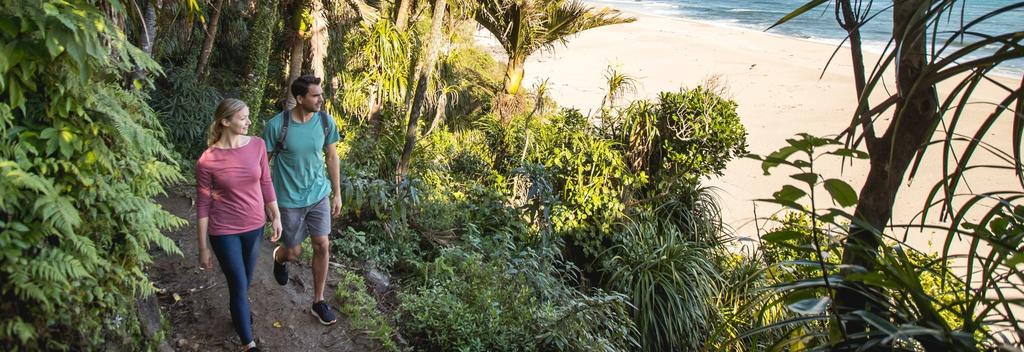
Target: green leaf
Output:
[(809, 178), (788, 193), (1015, 260), (810, 306), (841, 192), (876, 321), (799, 11), (777, 158), (781, 236), (851, 153)]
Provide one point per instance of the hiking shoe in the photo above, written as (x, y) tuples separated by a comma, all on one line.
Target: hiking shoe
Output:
[(323, 313), (280, 270)]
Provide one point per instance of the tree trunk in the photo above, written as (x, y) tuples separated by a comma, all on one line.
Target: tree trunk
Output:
[(294, 70), (442, 103), (319, 39), (259, 55), (513, 74), (402, 16), (297, 53), (421, 86), (146, 37), (892, 153), (851, 23), (211, 36), (149, 23)]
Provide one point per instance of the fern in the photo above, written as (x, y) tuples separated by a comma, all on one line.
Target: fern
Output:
[(80, 159)]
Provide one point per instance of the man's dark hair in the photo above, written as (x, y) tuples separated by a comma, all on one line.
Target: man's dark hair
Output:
[(300, 86)]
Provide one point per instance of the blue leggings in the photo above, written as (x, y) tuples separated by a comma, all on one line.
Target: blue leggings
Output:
[(237, 257)]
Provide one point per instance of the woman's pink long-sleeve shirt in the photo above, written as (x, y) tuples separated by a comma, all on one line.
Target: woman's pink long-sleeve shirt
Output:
[(233, 187)]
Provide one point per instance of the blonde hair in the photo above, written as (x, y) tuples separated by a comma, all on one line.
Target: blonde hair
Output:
[(225, 110)]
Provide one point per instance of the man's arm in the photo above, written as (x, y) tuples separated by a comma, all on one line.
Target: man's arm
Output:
[(334, 171)]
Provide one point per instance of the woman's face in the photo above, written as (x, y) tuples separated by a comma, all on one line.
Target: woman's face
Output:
[(239, 123)]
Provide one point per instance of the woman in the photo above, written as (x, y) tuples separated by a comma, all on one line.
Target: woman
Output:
[(234, 197)]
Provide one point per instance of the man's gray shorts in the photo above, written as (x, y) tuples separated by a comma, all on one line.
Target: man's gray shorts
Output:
[(299, 223)]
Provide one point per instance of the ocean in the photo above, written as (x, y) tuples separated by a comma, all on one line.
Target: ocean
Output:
[(820, 24)]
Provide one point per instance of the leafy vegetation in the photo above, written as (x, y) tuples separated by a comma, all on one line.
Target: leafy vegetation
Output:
[(503, 221), (82, 154), (361, 309)]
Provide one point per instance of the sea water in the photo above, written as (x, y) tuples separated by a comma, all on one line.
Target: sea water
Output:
[(820, 24)]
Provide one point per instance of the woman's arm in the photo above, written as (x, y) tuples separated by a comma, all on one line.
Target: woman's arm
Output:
[(204, 252), (269, 197), (204, 185), (275, 220)]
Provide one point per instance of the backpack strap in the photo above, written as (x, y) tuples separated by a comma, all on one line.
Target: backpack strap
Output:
[(286, 116), (325, 126)]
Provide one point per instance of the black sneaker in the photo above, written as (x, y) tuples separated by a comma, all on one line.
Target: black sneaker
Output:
[(323, 313), (280, 270)]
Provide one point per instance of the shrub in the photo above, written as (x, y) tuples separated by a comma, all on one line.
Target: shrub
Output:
[(81, 159), (469, 304), (672, 284), (185, 106), (361, 310), (689, 134)]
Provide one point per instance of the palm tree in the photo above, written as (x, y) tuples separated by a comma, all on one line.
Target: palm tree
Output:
[(619, 84), (424, 73), (524, 26), (921, 59)]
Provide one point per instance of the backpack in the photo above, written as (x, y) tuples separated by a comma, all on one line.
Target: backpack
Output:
[(286, 116)]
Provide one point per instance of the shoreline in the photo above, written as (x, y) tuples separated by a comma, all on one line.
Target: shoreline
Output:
[(869, 48), (777, 81)]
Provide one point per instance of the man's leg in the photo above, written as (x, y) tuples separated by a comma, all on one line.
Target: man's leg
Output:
[(318, 225), (321, 257), (293, 232)]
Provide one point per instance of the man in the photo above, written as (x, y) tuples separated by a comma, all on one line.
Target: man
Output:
[(302, 185)]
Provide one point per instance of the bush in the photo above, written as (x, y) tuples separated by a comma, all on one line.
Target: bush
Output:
[(361, 310), (689, 134), (672, 284), (81, 159), (185, 106), (469, 304)]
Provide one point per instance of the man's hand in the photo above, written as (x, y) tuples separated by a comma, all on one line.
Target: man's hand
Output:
[(336, 205)]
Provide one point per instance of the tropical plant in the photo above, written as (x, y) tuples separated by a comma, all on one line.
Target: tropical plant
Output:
[(81, 158), (917, 301), (420, 94), (672, 284), (922, 56), (525, 26), (361, 309), (185, 106), (683, 136), (257, 78), (618, 84)]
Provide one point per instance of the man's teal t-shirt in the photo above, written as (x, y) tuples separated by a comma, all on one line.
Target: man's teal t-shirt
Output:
[(299, 173)]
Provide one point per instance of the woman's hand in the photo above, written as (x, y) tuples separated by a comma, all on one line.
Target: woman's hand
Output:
[(276, 226), (204, 259)]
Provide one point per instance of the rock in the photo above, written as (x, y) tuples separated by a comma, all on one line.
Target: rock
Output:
[(378, 280), (181, 343), (149, 315)]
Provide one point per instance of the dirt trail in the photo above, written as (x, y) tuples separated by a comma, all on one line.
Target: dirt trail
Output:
[(195, 302)]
